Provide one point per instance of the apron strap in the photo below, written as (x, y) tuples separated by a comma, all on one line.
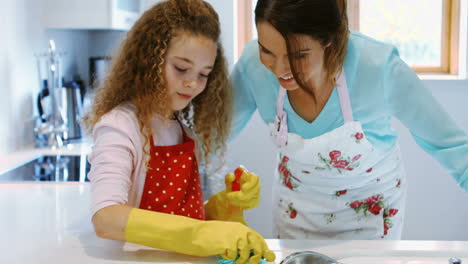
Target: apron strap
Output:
[(280, 101), (343, 94)]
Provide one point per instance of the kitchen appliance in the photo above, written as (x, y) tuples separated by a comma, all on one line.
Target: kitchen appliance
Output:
[(98, 67), (72, 106), (59, 103), (70, 101), (50, 125)]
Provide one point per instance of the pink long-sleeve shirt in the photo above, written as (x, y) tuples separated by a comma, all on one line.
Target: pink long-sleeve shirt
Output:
[(118, 168)]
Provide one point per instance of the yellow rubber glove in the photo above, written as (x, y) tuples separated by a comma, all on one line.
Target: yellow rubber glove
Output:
[(248, 196), (195, 237), (229, 205)]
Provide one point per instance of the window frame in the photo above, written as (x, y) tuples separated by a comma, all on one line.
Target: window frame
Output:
[(449, 64), (450, 36)]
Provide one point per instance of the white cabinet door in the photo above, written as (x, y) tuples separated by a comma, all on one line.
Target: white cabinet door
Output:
[(145, 4), (91, 14)]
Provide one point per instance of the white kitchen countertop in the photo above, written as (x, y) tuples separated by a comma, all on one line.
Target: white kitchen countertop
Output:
[(48, 222), (13, 160)]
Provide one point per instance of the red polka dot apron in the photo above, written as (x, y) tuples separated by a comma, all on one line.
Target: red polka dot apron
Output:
[(336, 185), (172, 183)]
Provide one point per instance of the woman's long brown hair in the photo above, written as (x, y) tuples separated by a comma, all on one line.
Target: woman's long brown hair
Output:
[(323, 20), (136, 75)]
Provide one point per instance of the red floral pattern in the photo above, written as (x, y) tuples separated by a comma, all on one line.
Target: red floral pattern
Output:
[(292, 212), (337, 161), (374, 205), (358, 137), (329, 218), (288, 180), (340, 193)]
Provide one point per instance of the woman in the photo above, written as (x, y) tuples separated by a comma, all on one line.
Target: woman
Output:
[(328, 96)]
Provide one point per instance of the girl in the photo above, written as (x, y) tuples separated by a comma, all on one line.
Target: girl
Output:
[(168, 80)]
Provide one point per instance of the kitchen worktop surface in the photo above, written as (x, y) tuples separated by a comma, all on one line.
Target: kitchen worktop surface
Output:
[(17, 158), (48, 222)]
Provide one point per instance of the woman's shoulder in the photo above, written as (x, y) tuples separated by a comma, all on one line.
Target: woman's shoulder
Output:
[(368, 56), (365, 44), (249, 59)]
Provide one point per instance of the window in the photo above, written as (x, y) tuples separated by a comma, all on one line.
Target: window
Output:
[(245, 23), (426, 32)]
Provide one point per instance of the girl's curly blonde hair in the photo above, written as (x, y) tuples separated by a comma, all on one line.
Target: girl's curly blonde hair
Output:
[(136, 74)]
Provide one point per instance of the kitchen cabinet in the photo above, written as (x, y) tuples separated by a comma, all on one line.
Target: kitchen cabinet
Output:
[(91, 14)]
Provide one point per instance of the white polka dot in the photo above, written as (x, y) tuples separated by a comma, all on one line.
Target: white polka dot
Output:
[(163, 191), (151, 177), (157, 169), (177, 175), (149, 207), (175, 161), (193, 188), (163, 161), (164, 176), (169, 169), (189, 158), (178, 204), (157, 184), (157, 154), (185, 181), (198, 202), (172, 212), (157, 199), (183, 166), (191, 206), (181, 152), (167, 154), (196, 211), (183, 209), (183, 201), (165, 206), (193, 197), (172, 197), (179, 189), (199, 216), (150, 192), (171, 184)]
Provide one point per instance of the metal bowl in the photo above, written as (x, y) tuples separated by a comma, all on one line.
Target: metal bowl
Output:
[(308, 257)]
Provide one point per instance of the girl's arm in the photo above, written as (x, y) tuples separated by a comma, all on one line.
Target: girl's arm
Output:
[(112, 165), (110, 222)]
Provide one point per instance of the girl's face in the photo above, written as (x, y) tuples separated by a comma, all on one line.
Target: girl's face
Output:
[(308, 56), (188, 62)]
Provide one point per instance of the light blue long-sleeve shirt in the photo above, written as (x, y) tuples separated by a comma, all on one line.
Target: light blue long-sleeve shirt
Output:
[(380, 86)]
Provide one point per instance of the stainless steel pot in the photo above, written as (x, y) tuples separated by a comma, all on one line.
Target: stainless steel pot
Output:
[(308, 257)]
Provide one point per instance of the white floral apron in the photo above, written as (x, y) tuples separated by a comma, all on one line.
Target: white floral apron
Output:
[(337, 185)]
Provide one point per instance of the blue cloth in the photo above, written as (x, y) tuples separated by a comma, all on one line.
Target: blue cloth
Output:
[(381, 86), (222, 260)]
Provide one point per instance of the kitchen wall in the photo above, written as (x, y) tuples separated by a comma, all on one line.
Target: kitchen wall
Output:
[(436, 208), (21, 34)]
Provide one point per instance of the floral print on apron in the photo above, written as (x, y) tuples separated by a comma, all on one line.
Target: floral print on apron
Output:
[(337, 185)]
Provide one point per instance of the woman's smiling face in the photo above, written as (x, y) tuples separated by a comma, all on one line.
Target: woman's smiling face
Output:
[(308, 56)]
